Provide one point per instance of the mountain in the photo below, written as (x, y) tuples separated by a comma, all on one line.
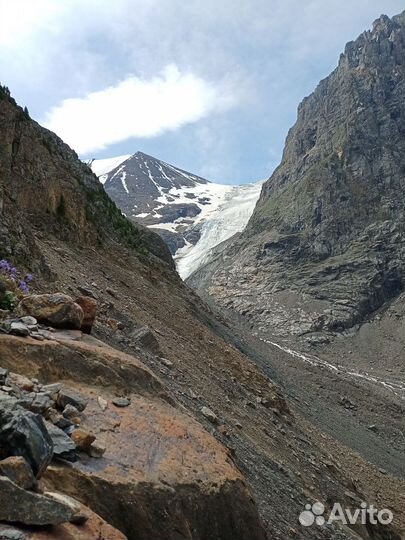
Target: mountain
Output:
[(325, 247), (204, 444), (190, 213)]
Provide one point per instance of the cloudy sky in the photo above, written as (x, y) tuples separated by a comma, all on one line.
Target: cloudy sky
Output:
[(211, 86)]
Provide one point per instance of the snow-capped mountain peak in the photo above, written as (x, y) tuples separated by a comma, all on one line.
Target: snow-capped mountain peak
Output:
[(191, 214)]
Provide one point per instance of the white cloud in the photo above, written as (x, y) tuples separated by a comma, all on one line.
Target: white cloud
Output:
[(137, 107)]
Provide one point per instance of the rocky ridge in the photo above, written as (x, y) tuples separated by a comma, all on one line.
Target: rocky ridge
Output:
[(324, 248)]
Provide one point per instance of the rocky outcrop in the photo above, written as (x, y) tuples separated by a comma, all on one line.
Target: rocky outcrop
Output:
[(163, 474), (324, 248)]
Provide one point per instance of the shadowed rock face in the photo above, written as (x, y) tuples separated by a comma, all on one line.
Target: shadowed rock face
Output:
[(325, 245)]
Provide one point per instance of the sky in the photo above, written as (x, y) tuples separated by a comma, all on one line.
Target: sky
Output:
[(210, 86)]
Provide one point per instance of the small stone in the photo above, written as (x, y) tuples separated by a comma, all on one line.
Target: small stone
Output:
[(83, 439), (56, 418), (192, 394), (103, 403), (63, 446), (52, 389), (121, 402), (144, 337), (209, 415), (19, 329), (68, 397), (22, 382), (18, 470), (96, 450), (41, 403), (29, 321), (11, 534), (3, 376), (166, 362), (372, 427), (113, 293), (70, 412), (86, 291)]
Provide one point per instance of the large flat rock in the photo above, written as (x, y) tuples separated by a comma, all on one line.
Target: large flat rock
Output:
[(162, 476)]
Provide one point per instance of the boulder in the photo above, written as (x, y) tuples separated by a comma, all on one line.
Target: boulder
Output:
[(58, 310), (23, 433), (89, 306)]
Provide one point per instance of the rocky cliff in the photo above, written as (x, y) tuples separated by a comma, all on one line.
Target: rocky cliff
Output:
[(324, 248)]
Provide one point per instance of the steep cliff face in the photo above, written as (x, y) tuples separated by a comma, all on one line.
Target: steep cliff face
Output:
[(325, 245)]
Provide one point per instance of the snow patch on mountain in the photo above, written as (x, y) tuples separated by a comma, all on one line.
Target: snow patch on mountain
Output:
[(191, 214), (229, 216), (101, 167)]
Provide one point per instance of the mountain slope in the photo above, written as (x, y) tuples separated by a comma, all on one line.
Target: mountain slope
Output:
[(190, 213), (146, 311), (325, 247)]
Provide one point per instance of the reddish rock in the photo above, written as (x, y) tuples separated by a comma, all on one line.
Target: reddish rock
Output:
[(18, 470), (89, 306), (158, 461), (82, 438), (58, 310)]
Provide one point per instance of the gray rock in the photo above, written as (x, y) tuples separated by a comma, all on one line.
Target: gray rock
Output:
[(23, 433), (19, 329), (41, 403), (63, 446), (68, 397), (144, 337), (7, 533), (210, 415), (3, 376), (70, 412), (86, 292), (29, 321), (29, 508), (121, 402)]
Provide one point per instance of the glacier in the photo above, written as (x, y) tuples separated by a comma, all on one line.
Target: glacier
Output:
[(229, 217)]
